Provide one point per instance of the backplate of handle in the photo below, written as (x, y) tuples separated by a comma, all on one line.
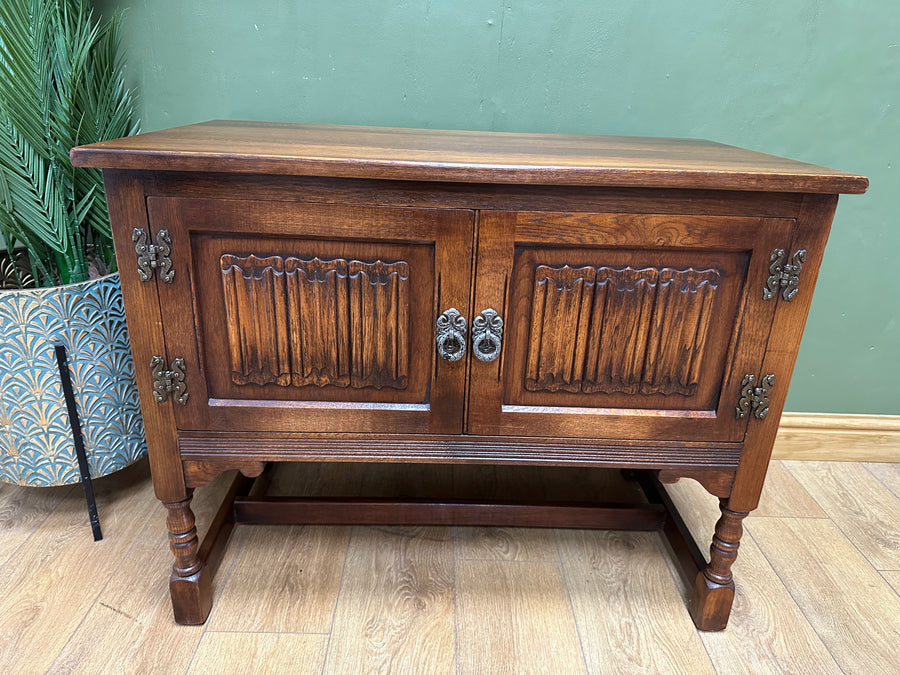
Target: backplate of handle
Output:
[(487, 335), (450, 335)]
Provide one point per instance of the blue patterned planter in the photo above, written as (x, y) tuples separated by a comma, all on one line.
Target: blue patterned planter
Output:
[(36, 446)]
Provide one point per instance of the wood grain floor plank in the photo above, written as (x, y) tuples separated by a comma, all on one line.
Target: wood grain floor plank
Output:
[(860, 505), (50, 584), (259, 653), (502, 543), (888, 474), (23, 510), (630, 616), (849, 604), (505, 543), (784, 497), (284, 579), (514, 617), (764, 614), (893, 578), (395, 609), (130, 629)]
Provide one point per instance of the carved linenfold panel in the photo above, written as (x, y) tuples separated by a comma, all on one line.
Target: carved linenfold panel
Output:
[(619, 330), (317, 322), (560, 314), (379, 319), (681, 322), (255, 318)]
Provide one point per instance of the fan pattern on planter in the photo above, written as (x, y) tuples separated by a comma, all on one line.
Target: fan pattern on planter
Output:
[(36, 446)]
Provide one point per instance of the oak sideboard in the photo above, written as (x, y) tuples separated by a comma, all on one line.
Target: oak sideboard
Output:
[(300, 292)]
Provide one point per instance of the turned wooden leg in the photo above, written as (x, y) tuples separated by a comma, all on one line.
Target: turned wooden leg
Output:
[(189, 584), (714, 586)]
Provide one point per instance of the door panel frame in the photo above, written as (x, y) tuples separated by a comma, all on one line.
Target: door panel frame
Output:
[(448, 231), (498, 234)]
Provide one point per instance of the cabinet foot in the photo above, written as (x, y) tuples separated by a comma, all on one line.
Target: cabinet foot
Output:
[(713, 592), (189, 584), (711, 603), (191, 597)]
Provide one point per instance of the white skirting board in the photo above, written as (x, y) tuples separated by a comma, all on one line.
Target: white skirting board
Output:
[(838, 437)]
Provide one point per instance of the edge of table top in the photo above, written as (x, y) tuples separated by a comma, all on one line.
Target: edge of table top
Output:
[(462, 156)]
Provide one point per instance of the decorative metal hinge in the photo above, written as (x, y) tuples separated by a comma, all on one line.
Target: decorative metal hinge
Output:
[(754, 398), (784, 275), (153, 256), (167, 382)]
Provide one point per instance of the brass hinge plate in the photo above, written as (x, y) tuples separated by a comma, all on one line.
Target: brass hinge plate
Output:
[(169, 381), (784, 275), (753, 398), (152, 256)]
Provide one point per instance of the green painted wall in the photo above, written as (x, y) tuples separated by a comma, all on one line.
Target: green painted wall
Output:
[(813, 80)]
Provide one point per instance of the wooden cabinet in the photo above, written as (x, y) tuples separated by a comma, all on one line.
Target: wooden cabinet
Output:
[(304, 292)]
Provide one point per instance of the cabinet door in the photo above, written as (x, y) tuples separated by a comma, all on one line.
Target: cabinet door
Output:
[(621, 326), (312, 317)]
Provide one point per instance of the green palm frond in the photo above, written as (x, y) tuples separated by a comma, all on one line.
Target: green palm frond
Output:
[(31, 189), (108, 107), (25, 78), (61, 85)]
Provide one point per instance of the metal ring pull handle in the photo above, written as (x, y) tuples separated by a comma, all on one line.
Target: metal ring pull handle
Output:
[(487, 335), (450, 335)]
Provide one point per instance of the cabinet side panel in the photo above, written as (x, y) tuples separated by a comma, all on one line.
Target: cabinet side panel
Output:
[(811, 233), (127, 210)]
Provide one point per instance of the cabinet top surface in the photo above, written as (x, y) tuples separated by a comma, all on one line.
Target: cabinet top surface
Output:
[(462, 156)]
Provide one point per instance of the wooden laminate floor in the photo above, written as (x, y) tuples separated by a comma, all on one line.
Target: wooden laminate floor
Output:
[(818, 580)]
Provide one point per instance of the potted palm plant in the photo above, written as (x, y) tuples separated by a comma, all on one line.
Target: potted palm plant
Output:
[(61, 85)]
